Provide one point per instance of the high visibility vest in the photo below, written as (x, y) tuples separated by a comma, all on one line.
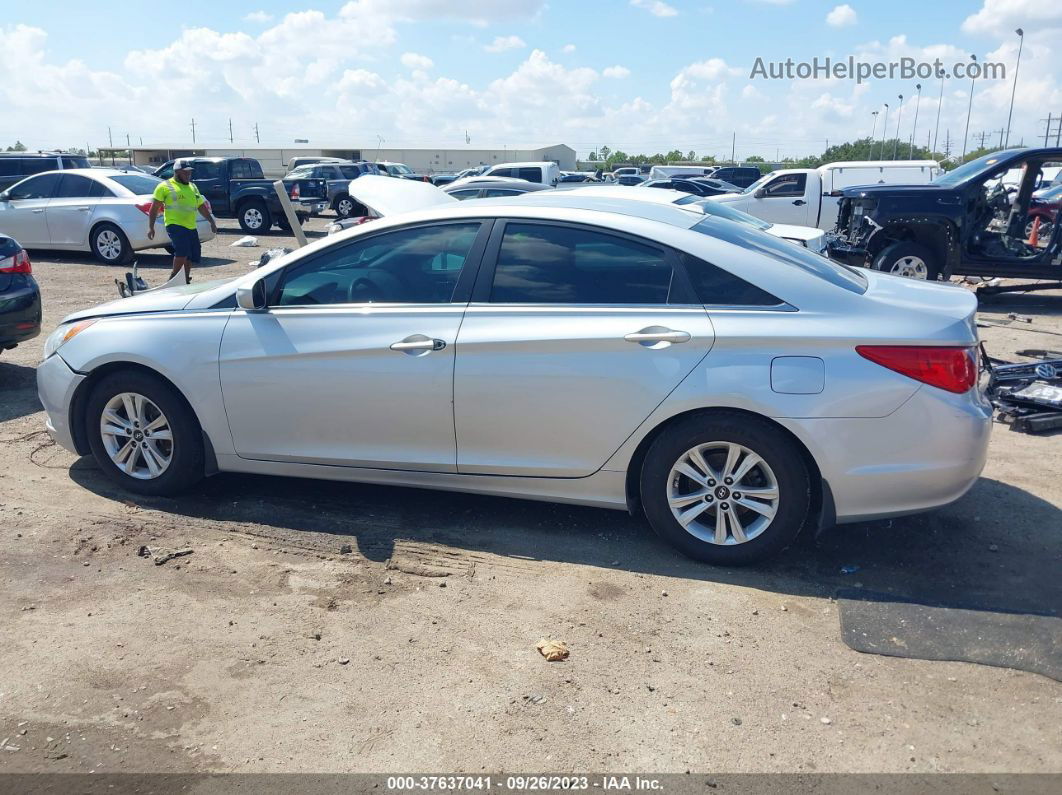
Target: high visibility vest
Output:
[(180, 208)]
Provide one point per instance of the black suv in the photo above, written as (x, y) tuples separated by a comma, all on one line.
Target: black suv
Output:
[(742, 176), (16, 166)]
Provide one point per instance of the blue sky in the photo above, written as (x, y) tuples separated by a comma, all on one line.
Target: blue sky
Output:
[(640, 75)]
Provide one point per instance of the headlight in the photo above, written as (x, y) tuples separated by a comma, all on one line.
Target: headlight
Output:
[(64, 334), (334, 227)]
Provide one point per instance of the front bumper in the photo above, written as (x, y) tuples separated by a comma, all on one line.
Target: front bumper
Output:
[(926, 454), (56, 385), (840, 249)]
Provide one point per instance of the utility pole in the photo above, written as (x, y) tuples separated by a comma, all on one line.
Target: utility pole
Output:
[(256, 137), (914, 129), (969, 110), (110, 138), (983, 136), (193, 131), (896, 140), (1014, 88), (1058, 133), (883, 126), (230, 131), (1047, 129), (733, 147), (1001, 134), (947, 143)]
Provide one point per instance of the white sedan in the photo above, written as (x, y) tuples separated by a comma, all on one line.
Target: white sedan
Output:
[(104, 211)]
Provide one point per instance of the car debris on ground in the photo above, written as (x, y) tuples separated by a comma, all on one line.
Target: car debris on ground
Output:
[(1027, 395), (552, 650)]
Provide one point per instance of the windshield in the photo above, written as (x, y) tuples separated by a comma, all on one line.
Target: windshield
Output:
[(302, 172), (783, 251), (140, 184), (398, 168), (1050, 194), (974, 168), (755, 186)]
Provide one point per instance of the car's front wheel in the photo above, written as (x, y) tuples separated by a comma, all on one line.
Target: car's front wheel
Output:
[(110, 245), (727, 489), (143, 435), (254, 217)]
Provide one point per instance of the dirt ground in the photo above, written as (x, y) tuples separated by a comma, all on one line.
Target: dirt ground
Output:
[(270, 649)]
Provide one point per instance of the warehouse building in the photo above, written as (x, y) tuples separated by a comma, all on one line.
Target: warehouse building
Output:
[(275, 160)]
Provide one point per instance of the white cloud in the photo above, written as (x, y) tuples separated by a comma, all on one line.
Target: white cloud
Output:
[(841, 16), (412, 60), (503, 43), (568, 49), (656, 7), (773, 2), (260, 17), (616, 71), (1001, 17), (475, 11)]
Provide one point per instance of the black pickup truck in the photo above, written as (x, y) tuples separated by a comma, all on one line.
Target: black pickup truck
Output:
[(971, 221), (237, 188)]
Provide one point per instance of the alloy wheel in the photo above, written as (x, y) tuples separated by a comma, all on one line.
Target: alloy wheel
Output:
[(252, 217), (911, 267), (344, 208), (108, 244), (722, 493), (136, 435)]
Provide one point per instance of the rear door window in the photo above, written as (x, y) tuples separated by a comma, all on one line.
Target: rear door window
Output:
[(35, 165), (76, 186), (75, 162), (530, 174), (555, 264), (238, 169)]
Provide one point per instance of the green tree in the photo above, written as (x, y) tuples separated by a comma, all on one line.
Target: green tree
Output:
[(18, 147), (691, 155), (592, 157), (604, 152), (754, 159), (674, 154)]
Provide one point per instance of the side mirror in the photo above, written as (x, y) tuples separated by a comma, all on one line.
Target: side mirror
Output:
[(5, 196), (253, 298), (760, 193)]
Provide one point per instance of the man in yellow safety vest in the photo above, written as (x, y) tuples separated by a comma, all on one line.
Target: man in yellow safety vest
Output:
[(180, 200)]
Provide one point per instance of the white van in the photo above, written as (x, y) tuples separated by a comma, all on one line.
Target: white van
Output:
[(667, 172), (543, 172), (809, 196)]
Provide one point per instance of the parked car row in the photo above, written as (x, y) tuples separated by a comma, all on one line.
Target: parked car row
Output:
[(20, 297)]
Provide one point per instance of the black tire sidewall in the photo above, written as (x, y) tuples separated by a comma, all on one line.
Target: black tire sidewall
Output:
[(127, 250), (186, 466), (267, 218), (773, 445), (887, 257)]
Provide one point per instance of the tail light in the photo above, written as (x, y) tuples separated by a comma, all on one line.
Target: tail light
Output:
[(20, 263), (295, 193), (145, 208), (951, 369)]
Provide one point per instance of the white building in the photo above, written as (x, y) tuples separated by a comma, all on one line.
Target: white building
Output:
[(275, 159)]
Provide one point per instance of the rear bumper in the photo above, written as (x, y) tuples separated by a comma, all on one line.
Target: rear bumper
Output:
[(20, 310), (926, 454), (56, 384)]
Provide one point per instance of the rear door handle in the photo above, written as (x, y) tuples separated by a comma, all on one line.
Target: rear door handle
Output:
[(418, 343), (655, 334), (800, 202), (83, 209), (39, 210)]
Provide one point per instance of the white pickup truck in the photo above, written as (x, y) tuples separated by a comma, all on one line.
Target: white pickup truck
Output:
[(809, 196)]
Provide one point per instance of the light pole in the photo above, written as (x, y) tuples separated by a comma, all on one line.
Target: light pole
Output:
[(874, 131), (896, 140), (918, 100), (1014, 88), (940, 103), (884, 125), (966, 135)]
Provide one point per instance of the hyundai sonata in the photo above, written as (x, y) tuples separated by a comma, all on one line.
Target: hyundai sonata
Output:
[(732, 387)]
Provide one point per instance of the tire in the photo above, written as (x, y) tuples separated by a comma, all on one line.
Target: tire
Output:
[(344, 206), (781, 467), (110, 245), (908, 259), (180, 459), (254, 217)]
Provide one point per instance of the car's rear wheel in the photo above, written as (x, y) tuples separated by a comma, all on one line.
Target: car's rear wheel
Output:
[(344, 206), (911, 260), (143, 435), (255, 217), (727, 489), (110, 245)]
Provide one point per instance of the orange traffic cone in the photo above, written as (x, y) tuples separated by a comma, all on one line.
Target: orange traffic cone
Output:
[(1034, 238)]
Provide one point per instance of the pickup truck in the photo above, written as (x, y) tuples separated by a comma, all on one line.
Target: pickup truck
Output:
[(809, 196), (337, 178), (237, 188), (968, 222)]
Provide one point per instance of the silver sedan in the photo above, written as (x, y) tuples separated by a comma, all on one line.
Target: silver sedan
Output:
[(101, 210), (728, 385)]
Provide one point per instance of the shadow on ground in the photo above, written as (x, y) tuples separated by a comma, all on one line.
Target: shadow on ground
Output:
[(999, 549), (18, 391)]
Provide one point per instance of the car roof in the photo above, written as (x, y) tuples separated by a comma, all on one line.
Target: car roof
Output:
[(524, 163), (501, 182)]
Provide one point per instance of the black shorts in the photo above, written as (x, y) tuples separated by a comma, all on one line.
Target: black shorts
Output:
[(185, 242)]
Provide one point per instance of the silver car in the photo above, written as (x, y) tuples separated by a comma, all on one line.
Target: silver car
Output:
[(101, 210), (727, 384)]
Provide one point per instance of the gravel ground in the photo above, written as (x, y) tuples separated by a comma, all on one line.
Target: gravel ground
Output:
[(271, 649)]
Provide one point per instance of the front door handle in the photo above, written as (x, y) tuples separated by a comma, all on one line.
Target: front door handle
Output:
[(654, 334), (800, 202), (83, 209), (39, 210), (418, 344)]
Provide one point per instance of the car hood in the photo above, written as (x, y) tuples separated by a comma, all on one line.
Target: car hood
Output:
[(169, 299), (386, 196), (876, 191)]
